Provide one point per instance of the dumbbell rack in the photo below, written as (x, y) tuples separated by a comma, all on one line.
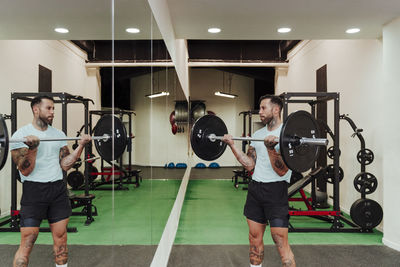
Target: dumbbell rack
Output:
[(59, 98)]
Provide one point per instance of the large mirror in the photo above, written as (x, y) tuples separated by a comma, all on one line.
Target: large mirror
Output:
[(75, 53)]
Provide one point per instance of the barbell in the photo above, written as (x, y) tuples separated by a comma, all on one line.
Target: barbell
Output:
[(298, 141), (109, 136)]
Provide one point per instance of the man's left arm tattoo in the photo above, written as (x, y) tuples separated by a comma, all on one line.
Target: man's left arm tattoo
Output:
[(67, 160), (64, 151), (277, 162)]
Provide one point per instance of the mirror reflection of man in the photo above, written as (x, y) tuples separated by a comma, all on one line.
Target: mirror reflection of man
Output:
[(44, 193)]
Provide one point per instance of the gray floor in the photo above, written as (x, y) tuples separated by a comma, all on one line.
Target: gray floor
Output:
[(305, 255), (85, 256), (209, 256)]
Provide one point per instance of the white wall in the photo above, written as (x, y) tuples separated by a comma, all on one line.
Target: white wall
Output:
[(154, 143), (354, 68), (204, 83), (391, 147), (19, 73)]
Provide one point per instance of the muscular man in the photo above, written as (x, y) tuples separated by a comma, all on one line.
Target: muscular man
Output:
[(44, 193), (267, 198)]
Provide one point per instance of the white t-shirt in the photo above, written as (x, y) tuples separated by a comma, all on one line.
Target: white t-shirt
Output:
[(47, 166), (263, 172)]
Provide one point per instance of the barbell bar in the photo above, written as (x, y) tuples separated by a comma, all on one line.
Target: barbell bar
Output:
[(105, 138), (103, 133), (298, 141), (295, 141)]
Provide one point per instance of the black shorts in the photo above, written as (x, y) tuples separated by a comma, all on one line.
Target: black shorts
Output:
[(44, 201), (267, 202)]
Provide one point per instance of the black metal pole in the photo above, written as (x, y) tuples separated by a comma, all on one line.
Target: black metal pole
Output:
[(250, 123), (285, 106), (86, 104), (313, 194), (130, 135), (244, 143), (64, 124), (64, 114), (337, 155), (14, 220)]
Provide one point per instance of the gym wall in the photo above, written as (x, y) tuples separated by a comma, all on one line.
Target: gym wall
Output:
[(19, 73), (155, 144), (389, 129), (354, 69), (203, 84)]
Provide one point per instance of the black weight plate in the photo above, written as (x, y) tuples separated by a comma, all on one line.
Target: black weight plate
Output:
[(3, 142), (198, 111), (181, 112), (302, 157), (92, 173), (365, 182), (365, 156), (75, 179), (105, 147), (77, 164), (75, 146), (331, 153), (330, 173), (201, 145), (366, 213)]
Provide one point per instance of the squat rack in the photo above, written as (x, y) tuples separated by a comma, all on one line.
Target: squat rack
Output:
[(120, 113), (64, 99), (334, 216)]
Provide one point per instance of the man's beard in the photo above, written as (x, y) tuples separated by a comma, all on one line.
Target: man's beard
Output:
[(45, 120), (267, 120)]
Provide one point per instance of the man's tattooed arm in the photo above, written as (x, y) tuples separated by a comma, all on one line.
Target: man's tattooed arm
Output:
[(248, 161), (277, 162), (25, 159), (68, 159), (251, 153)]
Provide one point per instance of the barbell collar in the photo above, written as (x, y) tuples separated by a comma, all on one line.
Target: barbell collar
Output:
[(314, 141), (294, 140)]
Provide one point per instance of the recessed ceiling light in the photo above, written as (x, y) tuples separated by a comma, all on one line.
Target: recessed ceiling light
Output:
[(352, 30), (214, 30), (61, 30), (284, 30), (132, 30)]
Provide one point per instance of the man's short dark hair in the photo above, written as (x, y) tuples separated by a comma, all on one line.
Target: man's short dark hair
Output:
[(274, 100), (39, 98)]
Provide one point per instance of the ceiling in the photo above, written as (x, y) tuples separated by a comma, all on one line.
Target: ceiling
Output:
[(238, 19)]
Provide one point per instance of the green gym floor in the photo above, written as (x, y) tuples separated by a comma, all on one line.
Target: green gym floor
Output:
[(212, 216)]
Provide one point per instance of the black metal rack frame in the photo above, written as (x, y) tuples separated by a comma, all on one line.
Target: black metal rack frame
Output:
[(120, 113), (247, 131), (313, 99), (59, 98)]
